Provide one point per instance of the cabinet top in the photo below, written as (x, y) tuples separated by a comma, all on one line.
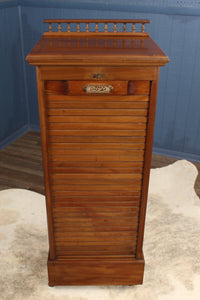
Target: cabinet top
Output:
[(92, 42)]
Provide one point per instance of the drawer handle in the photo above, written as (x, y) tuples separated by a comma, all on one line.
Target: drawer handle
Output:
[(98, 88)]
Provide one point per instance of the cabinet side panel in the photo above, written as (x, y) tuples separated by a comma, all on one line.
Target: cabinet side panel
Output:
[(147, 164), (41, 103)]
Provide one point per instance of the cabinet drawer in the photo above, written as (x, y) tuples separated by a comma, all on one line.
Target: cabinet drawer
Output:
[(103, 87)]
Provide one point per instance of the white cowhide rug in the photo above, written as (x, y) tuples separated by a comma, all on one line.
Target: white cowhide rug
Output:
[(171, 244)]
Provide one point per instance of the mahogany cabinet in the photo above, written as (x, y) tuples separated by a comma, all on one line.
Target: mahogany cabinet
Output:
[(97, 83)]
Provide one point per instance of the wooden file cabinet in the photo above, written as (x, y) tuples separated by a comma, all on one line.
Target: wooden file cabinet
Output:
[(97, 100)]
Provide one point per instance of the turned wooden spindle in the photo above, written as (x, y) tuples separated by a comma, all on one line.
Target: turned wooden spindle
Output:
[(124, 27), (78, 27), (106, 27), (59, 27), (68, 27), (50, 27), (105, 24), (142, 28)]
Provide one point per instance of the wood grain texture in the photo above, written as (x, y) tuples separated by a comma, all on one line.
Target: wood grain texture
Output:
[(87, 50), (96, 271), (60, 72), (97, 152), (40, 89), (147, 164)]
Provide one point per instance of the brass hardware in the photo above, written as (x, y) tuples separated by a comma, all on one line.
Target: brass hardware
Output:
[(98, 88), (98, 75)]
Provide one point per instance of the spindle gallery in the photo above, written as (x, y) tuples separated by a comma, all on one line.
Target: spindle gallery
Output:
[(64, 27)]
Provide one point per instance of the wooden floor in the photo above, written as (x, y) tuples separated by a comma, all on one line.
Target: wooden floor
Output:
[(21, 164)]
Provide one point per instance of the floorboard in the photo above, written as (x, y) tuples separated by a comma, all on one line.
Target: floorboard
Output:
[(21, 164)]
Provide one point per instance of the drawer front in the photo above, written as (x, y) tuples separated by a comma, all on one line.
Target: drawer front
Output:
[(96, 147), (77, 87)]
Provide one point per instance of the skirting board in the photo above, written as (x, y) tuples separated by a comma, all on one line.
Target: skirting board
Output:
[(14, 136), (33, 127), (177, 154)]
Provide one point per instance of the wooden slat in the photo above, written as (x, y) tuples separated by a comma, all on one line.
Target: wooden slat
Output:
[(96, 176), (94, 133), (95, 182), (89, 215), (95, 249), (73, 230), (96, 226), (94, 234), (96, 220), (129, 241), (90, 227), (96, 105), (95, 152), (88, 158), (96, 119), (96, 146), (97, 139), (89, 188), (100, 170), (76, 212), (135, 166), (91, 209), (95, 193), (95, 99), (85, 239), (109, 200), (79, 203), (93, 224), (96, 112), (95, 126)]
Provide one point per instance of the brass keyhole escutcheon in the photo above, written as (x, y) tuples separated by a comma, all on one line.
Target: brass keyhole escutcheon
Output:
[(98, 88), (98, 75)]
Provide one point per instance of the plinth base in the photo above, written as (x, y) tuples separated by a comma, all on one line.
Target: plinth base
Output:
[(95, 271)]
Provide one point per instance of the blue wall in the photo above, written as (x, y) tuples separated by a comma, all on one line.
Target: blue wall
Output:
[(175, 26), (13, 105)]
